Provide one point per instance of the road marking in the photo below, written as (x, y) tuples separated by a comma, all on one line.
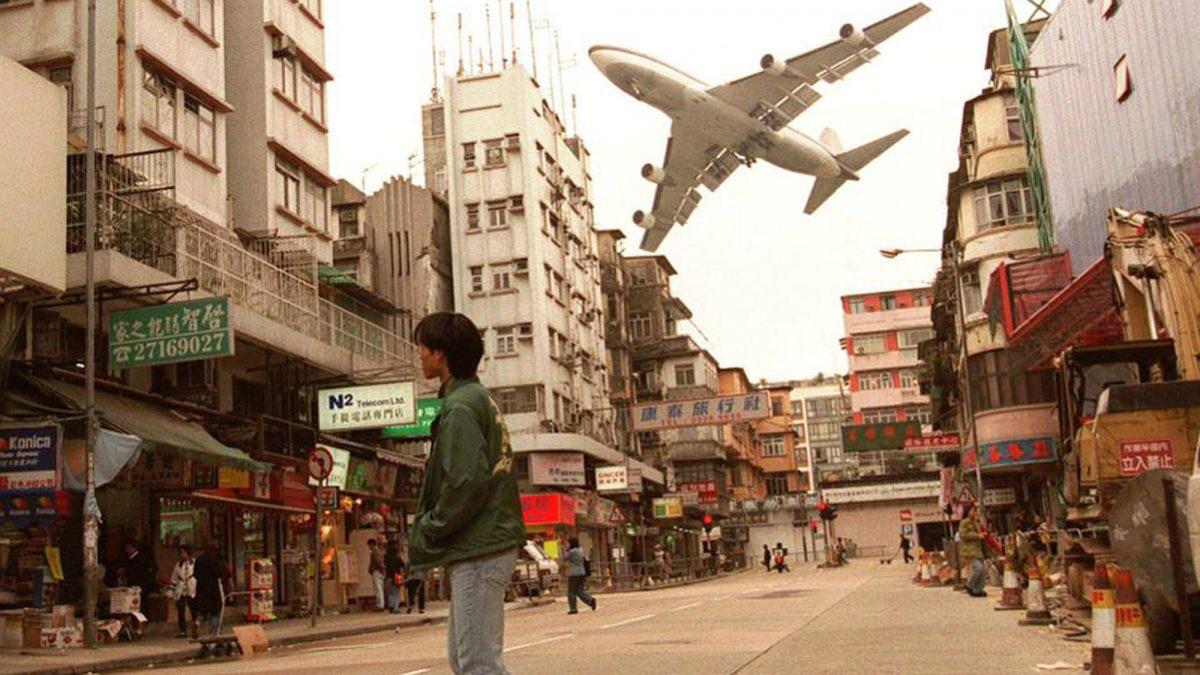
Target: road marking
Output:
[(416, 672), (628, 621), (694, 604), (344, 648), (539, 642), (723, 597)]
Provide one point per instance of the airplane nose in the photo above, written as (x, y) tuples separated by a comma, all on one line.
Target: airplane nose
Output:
[(602, 57)]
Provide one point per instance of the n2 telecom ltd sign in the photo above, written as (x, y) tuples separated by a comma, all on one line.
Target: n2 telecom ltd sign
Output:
[(371, 406)]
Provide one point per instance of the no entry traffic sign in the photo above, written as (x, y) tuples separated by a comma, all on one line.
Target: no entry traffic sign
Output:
[(320, 464)]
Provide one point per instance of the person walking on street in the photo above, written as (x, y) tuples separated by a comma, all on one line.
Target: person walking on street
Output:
[(183, 589), (766, 558), (781, 565), (468, 516), (414, 588), (578, 570), (905, 545), (970, 552), (210, 572), (394, 572), (378, 571)]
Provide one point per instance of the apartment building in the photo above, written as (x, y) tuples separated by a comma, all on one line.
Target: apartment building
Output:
[(779, 441), (820, 407), (614, 284)]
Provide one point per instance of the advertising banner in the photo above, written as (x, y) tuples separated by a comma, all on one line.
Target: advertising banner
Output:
[(548, 509), (668, 507), (557, 468), (879, 436), (706, 490), (427, 411), (612, 479), (934, 443), (172, 333), (882, 492), (700, 412), (1016, 452), (29, 458), (371, 406)]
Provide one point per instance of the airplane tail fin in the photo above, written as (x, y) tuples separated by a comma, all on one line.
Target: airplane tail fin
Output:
[(851, 162)]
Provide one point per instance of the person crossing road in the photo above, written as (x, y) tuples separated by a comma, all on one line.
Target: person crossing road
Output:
[(577, 573)]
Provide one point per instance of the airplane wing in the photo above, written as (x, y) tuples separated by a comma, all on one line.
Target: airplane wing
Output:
[(690, 162), (781, 91)]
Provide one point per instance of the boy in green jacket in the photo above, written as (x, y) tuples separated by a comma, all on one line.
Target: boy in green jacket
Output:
[(469, 515)]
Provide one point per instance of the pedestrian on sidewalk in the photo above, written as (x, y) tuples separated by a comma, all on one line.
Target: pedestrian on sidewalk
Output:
[(468, 517), (578, 571), (414, 589), (394, 571), (781, 565), (210, 571), (183, 590), (905, 545), (766, 558), (970, 552), (378, 571)]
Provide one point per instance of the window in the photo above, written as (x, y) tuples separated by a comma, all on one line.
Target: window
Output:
[(285, 74), (920, 300), (829, 406), (824, 431), (911, 339), (287, 186), (472, 216), (887, 302), (998, 380), (313, 6), (199, 128), (1123, 85), (501, 277), (797, 407), (506, 341), (493, 153), (348, 222), (199, 13), (312, 95), (972, 292), (639, 325), (908, 378), (857, 306), (641, 275), (158, 102), (774, 446), (870, 344), (873, 380), (879, 415), (1003, 203), (553, 343), (62, 77), (1012, 118), (776, 406), (517, 400), (477, 279), (685, 375), (497, 215), (564, 349), (315, 211), (777, 484), (920, 414)]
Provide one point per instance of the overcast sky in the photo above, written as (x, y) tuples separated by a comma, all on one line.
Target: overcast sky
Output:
[(762, 278)]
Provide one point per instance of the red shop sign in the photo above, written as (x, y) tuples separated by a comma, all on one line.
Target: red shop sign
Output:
[(1138, 457), (548, 509)]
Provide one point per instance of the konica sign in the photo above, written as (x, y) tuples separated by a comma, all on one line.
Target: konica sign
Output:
[(29, 458), (371, 406)]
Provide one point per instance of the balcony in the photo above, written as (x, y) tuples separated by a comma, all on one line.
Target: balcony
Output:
[(892, 319), (138, 218)]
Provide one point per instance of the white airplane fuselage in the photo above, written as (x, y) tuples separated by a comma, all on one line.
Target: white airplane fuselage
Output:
[(686, 100)]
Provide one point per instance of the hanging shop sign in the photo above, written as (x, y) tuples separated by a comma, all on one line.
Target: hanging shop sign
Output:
[(548, 509), (204, 476), (701, 412), (158, 470), (1016, 452), (882, 492), (172, 333), (1138, 457), (228, 477), (706, 490), (427, 411), (999, 496), (361, 476), (557, 468), (371, 406), (341, 467), (879, 436), (668, 507), (29, 458), (934, 443), (328, 498), (612, 479)]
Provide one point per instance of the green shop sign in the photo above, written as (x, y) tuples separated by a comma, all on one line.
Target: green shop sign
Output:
[(180, 331), (880, 436), (427, 410)]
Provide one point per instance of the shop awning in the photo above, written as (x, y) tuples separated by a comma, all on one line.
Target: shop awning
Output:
[(231, 497), (159, 427), (557, 442), (1082, 314)]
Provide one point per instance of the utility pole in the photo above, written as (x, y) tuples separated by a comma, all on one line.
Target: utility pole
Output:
[(90, 509), (969, 413)]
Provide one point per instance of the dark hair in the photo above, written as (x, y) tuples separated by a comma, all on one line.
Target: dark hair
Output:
[(184, 548), (455, 336), (573, 542), (371, 542)]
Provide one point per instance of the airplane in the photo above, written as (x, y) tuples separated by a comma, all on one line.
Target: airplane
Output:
[(715, 130)]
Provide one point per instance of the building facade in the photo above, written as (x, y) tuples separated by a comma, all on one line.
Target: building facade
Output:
[(820, 407), (614, 284)]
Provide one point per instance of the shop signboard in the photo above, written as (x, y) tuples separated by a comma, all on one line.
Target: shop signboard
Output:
[(882, 492), (172, 333), (705, 489), (427, 411), (158, 470), (371, 406), (29, 458), (557, 468), (1011, 453), (548, 509), (341, 467), (360, 476), (688, 497), (1138, 457), (229, 477), (612, 479), (701, 412), (934, 443), (328, 497), (204, 476), (999, 496), (879, 436), (668, 507)]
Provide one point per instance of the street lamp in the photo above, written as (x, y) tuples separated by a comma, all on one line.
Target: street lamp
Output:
[(965, 384)]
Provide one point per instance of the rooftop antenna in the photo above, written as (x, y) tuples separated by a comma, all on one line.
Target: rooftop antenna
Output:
[(574, 116), (471, 52), (541, 25), (500, 27), (512, 29), (433, 61), (460, 51), (532, 42), (487, 21)]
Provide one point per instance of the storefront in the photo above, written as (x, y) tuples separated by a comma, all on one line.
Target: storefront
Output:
[(550, 520)]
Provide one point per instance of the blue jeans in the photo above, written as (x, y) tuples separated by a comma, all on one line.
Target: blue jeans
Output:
[(393, 595), (475, 633), (975, 578), (577, 589)]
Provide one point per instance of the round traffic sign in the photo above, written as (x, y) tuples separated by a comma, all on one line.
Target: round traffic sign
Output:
[(320, 464)]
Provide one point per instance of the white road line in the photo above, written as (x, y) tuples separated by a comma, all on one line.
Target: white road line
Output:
[(723, 597), (343, 648), (694, 604), (539, 642), (416, 672), (628, 621)]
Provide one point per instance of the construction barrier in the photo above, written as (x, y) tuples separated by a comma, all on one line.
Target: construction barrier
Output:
[(1036, 613), (1132, 651), (1104, 626)]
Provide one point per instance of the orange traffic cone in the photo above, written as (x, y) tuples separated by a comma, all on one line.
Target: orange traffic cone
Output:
[(1132, 651), (1104, 627), (1010, 597), (1036, 613), (926, 577)]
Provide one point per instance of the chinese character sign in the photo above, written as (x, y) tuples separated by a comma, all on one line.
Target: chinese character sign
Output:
[(1010, 453), (180, 331), (701, 412), (1138, 457), (369, 406), (612, 479)]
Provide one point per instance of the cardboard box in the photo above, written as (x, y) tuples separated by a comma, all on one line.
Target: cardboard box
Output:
[(62, 616), (62, 638), (31, 628), (108, 630), (12, 630), (125, 600)]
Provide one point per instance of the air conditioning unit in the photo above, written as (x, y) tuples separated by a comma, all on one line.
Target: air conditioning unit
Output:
[(516, 204), (283, 46), (512, 142), (525, 331), (521, 267), (970, 278)]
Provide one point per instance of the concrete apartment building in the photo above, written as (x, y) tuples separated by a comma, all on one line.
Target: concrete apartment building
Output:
[(819, 407), (779, 440), (747, 482), (614, 284)]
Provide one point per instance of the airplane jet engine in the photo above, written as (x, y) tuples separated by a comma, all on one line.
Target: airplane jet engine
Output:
[(643, 220), (773, 64), (654, 174), (852, 35)]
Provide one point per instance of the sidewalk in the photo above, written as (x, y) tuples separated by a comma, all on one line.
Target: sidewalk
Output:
[(153, 651)]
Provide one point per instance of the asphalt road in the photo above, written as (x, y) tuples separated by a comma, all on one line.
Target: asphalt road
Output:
[(864, 618)]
